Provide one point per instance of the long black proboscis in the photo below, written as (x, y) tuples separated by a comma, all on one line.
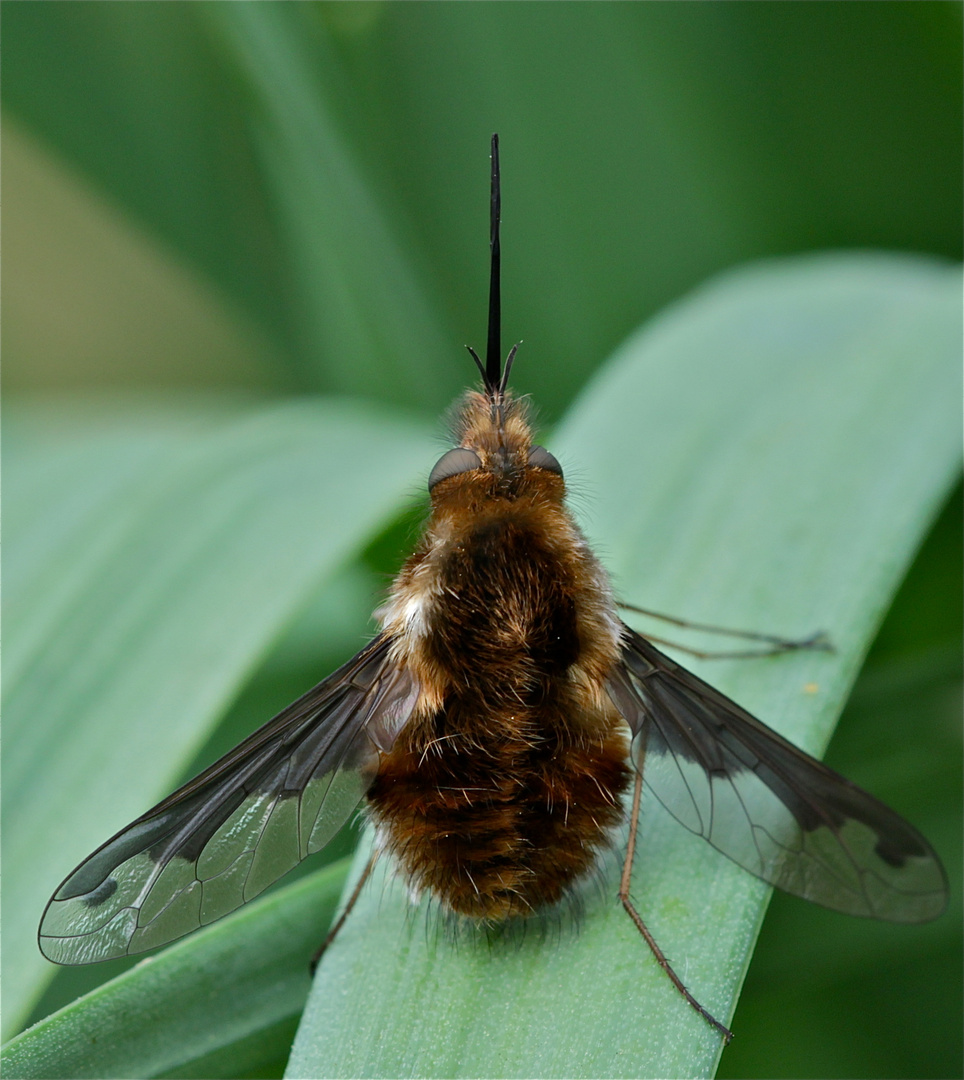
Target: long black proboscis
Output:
[(493, 352)]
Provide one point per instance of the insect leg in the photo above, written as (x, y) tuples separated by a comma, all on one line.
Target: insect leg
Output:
[(340, 921), (631, 911), (776, 645)]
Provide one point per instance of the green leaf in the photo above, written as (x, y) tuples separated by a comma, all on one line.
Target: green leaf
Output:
[(152, 555), (824, 344), (767, 454), (234, 980)]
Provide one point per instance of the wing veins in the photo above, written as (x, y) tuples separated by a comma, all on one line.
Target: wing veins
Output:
[(805, 828), (323, 736)]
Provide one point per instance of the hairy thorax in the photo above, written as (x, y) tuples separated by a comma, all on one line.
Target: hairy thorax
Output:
[(500, 791)]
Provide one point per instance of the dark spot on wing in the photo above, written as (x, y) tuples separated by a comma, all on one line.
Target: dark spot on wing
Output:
[(896, 850), (104, 891)]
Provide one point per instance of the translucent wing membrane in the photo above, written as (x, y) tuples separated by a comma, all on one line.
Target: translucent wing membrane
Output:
[(764, 803), (232, 831)]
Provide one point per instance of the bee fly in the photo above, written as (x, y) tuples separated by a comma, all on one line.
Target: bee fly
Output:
[(492, 729)]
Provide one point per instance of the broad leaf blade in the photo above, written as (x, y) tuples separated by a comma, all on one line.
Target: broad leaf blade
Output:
[(150, 562), (767, 454)]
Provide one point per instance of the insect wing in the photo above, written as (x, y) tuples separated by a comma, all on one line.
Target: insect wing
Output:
[(236, 828), (777, 812)]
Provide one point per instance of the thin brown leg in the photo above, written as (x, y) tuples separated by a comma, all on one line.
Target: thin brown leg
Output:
[(733, 654), (818, 642), (631, 911), (340, 921)]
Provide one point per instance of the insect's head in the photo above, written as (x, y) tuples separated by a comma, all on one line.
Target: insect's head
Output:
[(495, 456)]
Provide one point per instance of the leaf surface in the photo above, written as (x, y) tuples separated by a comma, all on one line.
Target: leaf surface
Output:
[(767, 454), (152, 556), (233, 982)]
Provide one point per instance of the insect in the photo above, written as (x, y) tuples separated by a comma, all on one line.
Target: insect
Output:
[(493, 729)]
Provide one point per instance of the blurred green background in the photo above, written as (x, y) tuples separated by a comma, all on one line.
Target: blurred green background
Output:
[(258, 200)]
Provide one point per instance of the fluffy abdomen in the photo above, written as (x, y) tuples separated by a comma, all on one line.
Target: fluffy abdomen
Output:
[(498, 831)]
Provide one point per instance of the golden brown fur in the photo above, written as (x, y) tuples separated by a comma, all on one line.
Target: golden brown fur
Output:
[(502, 788)]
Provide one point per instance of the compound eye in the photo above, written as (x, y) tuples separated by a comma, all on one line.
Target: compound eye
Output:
[(540, 458), (452, 463)]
